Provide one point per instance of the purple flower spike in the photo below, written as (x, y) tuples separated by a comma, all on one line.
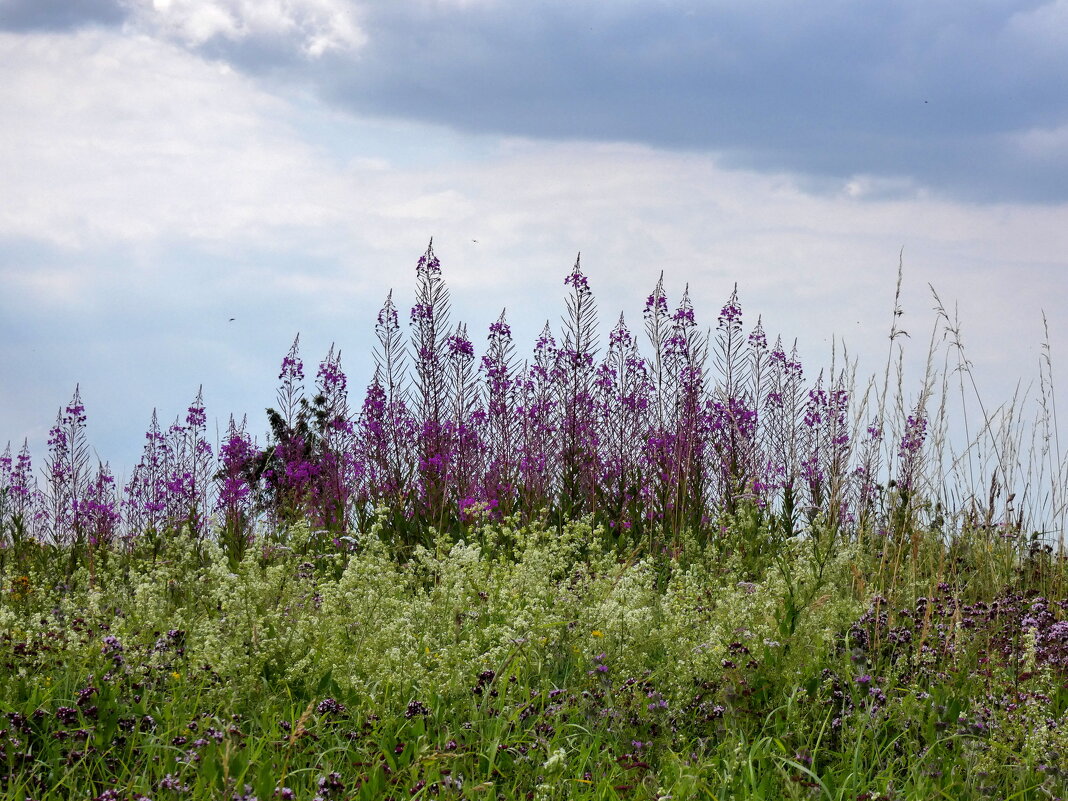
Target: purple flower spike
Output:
[(67, 468)]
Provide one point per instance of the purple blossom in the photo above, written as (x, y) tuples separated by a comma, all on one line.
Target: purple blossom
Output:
[(910, 450), (459, 346), (100, 509)]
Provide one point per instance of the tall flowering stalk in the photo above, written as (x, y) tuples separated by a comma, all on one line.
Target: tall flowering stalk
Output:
[(389, 355), (385, 428), (500, 419), (67, 469), (910, 455), (288, 467), (659, 450), (729, 354), (465, 419), (783, 408), (866, 474), (579, 429), (340, 469), (290, 392), (539, 432), (396, 465), (839, 452), (759, 368), (145, 496), (732, 427), (430, 324), (732, 411), (657, 319), (686, 434), (903, 501), (374, 441), (826, 447), (100, 512), (190, 470), (18, 496), (625, 391), (910, 450), (234, 491)]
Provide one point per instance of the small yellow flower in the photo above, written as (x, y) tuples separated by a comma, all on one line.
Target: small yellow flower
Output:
[(21, 588), (176, 675), (597, 633)]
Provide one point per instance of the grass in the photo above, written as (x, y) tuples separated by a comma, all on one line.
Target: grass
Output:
[(525, 662)]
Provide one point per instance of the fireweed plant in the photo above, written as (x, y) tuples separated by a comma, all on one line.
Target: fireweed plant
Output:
[(668, 565)]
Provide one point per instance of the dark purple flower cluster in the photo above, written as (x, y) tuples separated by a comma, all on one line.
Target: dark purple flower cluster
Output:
[(949, 630)]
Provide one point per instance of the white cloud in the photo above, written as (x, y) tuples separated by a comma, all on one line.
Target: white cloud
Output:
[(107, 138), (1044, 144), (315, 26), (1043, 28), (864, 187)]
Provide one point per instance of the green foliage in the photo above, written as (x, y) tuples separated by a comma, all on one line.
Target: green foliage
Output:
[(522, 661)]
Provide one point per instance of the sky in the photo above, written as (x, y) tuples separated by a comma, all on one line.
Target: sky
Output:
[(167, 165)]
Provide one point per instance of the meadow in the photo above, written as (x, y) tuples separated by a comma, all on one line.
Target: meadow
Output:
[(679, 567)]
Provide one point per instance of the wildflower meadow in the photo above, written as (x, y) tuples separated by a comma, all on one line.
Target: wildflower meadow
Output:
[(669, 563)]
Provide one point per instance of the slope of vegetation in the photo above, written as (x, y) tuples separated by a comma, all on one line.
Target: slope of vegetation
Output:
[(688, 573)]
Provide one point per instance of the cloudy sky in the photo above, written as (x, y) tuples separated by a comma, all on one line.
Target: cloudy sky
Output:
[(166, 165)]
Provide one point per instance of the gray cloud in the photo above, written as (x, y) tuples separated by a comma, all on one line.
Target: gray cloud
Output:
[(964, 101), (940, 96), (59, 15)]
